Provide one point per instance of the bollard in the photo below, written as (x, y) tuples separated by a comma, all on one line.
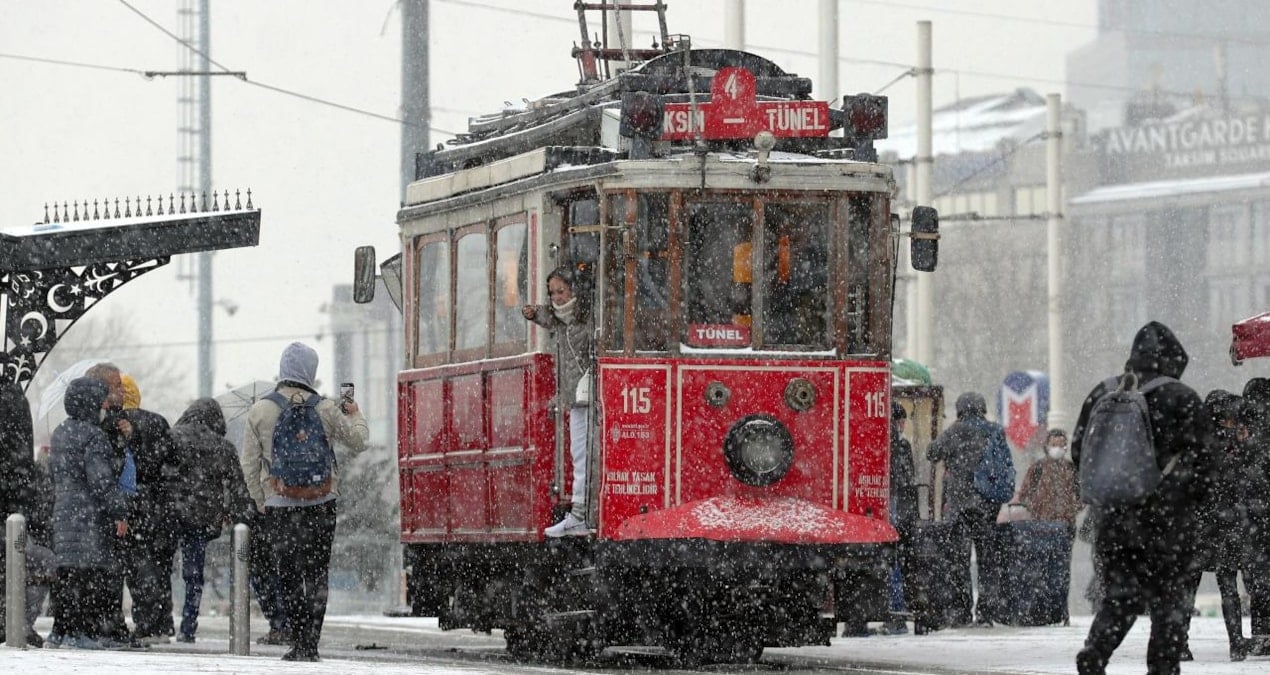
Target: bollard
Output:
[(15, 586), (240, 598)]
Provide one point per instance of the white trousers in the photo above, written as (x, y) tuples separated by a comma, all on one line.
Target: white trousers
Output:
[(577, 450)]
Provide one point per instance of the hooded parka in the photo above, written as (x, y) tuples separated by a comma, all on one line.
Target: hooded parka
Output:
[(87, 499)]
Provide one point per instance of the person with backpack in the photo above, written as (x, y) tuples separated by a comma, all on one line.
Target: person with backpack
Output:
[(207, 489), (1140, 457), (290, 467), (978, 479)]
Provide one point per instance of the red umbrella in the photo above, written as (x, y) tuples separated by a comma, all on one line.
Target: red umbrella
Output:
[(1251, 338)]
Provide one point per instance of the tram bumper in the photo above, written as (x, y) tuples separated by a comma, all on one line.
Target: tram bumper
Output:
[(789, 568)]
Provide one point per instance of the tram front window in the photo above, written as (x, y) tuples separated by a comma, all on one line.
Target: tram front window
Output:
[(718, 275), (796, 239)]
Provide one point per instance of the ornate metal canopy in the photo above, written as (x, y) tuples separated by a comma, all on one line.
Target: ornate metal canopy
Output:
[(52, 272)]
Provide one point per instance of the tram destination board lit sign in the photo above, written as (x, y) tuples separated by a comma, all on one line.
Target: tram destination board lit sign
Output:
[(734, 112)]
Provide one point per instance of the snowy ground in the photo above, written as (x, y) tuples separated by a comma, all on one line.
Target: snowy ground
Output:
[(980, 650)]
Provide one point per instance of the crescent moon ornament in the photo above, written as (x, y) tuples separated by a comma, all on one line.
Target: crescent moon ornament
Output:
[(39, 320), (52, 302)]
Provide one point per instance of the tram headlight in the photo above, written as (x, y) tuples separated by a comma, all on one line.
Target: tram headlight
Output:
[(759, 450)]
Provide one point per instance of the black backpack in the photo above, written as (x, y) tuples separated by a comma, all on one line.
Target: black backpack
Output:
[(1117, 459)]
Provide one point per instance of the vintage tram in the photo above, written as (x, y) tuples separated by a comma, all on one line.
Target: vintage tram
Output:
[(740, 260)]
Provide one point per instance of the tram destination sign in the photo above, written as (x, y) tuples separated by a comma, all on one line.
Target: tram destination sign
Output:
[(734, 112)]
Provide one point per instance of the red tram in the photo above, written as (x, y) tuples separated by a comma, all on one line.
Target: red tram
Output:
[(742, 261)]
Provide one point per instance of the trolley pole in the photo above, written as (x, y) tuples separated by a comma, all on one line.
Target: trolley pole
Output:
[(920, 340), (15, 585), (240, 599), (1054, 245)]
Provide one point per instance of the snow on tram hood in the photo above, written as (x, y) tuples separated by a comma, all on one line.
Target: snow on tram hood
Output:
[(785, 520)]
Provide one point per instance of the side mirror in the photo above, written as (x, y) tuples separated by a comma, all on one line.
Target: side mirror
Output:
[(924, 247), (364, 274)]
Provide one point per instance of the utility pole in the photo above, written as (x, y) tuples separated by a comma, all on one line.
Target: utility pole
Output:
[(1054, 244), (415, 113), (734, 24), (195, 160), (919, 340), (828, 51)]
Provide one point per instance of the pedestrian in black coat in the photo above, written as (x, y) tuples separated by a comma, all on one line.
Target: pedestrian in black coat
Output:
[(20, 483), (961, 447), (1147, 548), (1223, 515), (1257, 552), (152, 541), (89, 513), (208, 491)]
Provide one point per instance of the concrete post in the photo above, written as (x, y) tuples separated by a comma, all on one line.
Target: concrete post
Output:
[(15, 586), (240, 597)]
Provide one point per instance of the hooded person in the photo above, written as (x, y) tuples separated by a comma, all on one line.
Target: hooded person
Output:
[(301, 528), (1255, 416), (961, 448), (207, 490), (89, 512), (1146, 548)]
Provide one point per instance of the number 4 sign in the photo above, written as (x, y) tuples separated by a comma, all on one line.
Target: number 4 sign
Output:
[(735, 112)]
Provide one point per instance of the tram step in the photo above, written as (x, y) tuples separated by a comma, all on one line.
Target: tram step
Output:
[(557, 619)]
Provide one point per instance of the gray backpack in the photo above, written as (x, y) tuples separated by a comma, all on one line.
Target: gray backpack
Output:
[(1117, 457)]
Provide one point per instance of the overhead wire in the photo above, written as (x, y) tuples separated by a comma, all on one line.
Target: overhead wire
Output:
[(275, 88)]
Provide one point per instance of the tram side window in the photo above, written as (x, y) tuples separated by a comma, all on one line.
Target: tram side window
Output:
[(717, 275), (652, 269), (433, 327), (472, 292), (796, 275), (509, 283)]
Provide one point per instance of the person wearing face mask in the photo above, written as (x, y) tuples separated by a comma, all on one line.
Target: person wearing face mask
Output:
[(1050, 494), (567, 318)]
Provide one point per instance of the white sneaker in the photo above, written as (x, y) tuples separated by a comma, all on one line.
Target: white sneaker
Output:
[(570, 526)]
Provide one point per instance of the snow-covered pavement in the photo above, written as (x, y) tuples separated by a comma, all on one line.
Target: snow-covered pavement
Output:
[(979, 650)]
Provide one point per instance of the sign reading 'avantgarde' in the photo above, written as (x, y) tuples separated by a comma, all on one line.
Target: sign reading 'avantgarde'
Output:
[(1197, 142)]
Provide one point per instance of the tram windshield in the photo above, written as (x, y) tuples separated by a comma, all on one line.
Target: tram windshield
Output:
[(752, 273)]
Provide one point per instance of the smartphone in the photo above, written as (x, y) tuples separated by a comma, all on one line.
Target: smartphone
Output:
[(346, 391)]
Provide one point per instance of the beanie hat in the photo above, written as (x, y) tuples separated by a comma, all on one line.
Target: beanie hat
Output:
[(131, 394), (299, 364)]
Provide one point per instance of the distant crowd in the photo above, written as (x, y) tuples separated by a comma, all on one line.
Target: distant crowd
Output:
[(1171, 486), (120, 493)]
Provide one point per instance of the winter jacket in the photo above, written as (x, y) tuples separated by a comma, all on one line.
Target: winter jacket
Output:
[(152, 450), (206, 485), (257, 457), (17, 463), (1049, 491), (903, 485), (1165, 524), (87, 499), (961, 447), (574, 345)]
